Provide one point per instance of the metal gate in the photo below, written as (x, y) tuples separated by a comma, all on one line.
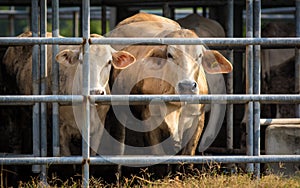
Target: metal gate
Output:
[(253, 98)]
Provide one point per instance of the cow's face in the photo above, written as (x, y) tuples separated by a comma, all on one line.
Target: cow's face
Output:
[(102, 57), (169, 69)]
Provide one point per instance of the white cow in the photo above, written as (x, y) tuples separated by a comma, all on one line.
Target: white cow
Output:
[(18, 63)]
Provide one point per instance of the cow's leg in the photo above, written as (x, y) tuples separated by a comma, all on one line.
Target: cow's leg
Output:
[(155, 128), (97, 126), (116, 137), (191, 145), (153, 139), (193, 134), (65, 139)]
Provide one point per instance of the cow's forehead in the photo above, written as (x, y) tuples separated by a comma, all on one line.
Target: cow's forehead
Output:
[(101, 53), (191, 51)]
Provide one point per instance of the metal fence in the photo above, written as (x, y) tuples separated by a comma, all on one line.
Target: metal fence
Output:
[(253, 98)]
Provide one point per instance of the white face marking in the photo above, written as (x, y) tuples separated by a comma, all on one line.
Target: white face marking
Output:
[(100, 66)]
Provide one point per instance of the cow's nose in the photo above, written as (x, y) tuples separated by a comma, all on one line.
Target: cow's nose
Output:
[(97, 92), (187, 87)]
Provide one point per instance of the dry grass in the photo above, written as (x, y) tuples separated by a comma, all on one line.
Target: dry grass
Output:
[(208, 178)]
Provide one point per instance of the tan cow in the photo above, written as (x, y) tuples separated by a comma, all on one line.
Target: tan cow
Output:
[(18, 62), (164, 69), (205, 27)]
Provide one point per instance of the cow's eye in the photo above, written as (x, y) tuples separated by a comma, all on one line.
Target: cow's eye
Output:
[(169, 56), (109, 62)]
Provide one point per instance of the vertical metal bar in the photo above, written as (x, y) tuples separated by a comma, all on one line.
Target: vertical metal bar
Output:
[(12, 22), (55, 79), (166, 10), (229, 86), (44, 76), (204, 12), (256, 89), (249, 80), (195, 10), (86, 92), (297, 56), (35, 86), (75, 23), (103, 20)]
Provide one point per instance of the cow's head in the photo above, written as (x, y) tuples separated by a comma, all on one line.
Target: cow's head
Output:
[(101, 59), (179, 69)]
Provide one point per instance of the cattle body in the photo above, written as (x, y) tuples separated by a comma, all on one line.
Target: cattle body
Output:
[(203, 27), (277, 75), (18, 63), (165, 69), (271, 59)]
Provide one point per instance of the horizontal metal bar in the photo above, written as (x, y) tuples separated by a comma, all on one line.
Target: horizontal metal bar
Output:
[(197, 41), (272, 121), (40, 40), (25, 99), (154, 41), (143, 99), (195, 99), (15, 155), (149, 160)]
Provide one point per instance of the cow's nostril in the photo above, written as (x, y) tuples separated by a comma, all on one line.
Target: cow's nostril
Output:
[(187, 87), (180, 86)]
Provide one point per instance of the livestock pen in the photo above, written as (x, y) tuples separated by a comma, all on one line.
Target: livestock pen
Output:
[(251, 45)]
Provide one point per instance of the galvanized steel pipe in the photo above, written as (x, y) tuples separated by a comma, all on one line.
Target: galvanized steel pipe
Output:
[(289, 41), (35, 86), (196, 41), (85, 92), (55, 80), (43, 86), (249, 81), (256, 84), (144, 99), (150, 159), (297, 55), (229, 85)]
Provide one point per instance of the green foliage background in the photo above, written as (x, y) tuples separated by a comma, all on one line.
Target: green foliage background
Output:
[(21, 25)]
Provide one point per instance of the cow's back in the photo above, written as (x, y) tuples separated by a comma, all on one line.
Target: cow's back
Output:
[(143, 25), (144, 17), (203, 27), (18, 63), (275, 57)]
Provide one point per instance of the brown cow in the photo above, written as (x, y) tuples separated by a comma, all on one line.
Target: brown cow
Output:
[(18, 62), (164, 69)]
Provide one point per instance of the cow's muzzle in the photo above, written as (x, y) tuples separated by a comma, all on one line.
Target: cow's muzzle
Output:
[(187, 87)]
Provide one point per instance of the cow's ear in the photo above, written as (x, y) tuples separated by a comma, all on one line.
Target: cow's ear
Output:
[(122, 59), (68, 57), (215, 63)]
